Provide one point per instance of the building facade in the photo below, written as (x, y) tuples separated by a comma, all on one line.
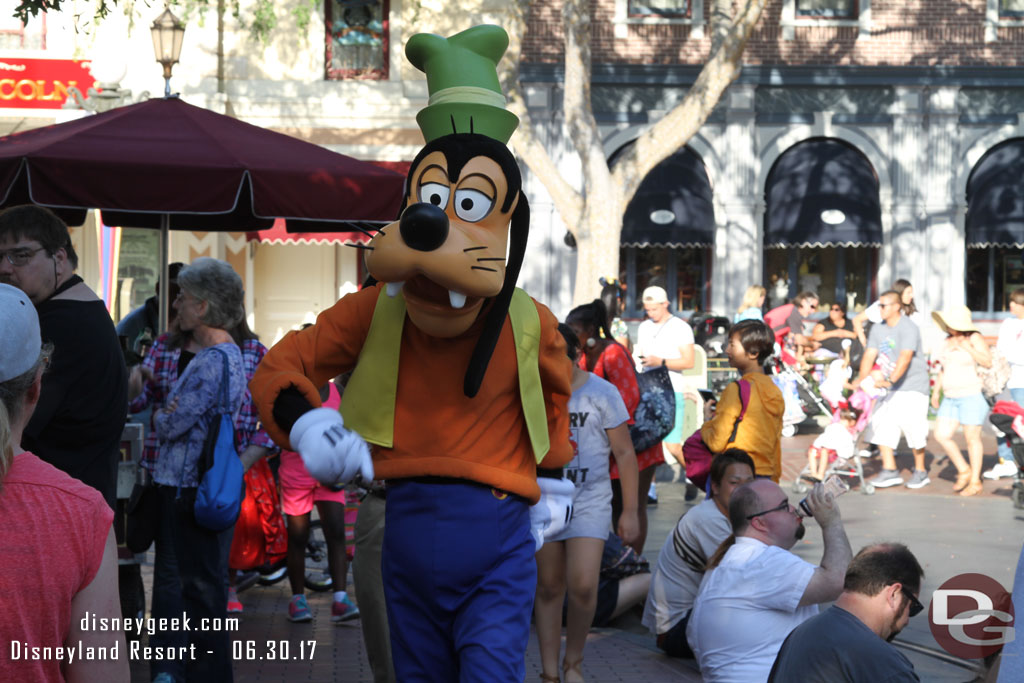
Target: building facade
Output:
[(864, 141)]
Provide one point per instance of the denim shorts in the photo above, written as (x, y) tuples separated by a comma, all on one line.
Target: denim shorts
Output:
[(967, 410)]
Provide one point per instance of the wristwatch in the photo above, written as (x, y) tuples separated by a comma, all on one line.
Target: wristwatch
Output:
[(662, 362)]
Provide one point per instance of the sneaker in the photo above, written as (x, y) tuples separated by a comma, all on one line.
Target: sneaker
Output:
[(887, 478), (344, 610), (234, 605), (917, 480), (1005, 468), (298, 609), (691, 491)]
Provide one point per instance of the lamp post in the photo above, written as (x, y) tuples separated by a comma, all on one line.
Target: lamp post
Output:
[(168, 33)]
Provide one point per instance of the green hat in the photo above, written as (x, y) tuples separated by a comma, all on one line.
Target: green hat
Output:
[(462, 79)]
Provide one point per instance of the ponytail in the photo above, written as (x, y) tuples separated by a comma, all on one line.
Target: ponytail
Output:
[(717, 556)]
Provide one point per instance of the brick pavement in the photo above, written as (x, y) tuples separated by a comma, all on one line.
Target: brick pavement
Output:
[(623, 653)]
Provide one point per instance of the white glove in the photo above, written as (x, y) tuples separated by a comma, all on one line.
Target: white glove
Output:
[(331, 453), (553, 511)]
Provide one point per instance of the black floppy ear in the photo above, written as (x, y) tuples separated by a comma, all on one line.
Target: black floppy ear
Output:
[(519, 233)]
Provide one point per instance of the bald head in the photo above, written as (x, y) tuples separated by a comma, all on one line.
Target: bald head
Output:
[(761, 510)]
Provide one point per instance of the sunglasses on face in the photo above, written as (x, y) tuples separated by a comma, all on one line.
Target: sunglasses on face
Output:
[(784, 505), (836, 309), (915, 605)]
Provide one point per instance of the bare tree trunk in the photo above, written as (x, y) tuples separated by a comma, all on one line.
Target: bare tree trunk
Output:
[(593, 214)]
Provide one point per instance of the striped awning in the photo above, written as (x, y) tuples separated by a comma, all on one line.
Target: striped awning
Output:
[(278, 234)]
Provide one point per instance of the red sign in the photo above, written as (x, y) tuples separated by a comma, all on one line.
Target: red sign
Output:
[(41, 83)]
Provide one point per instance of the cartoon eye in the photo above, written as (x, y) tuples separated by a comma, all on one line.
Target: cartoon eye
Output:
[(435, 193), (472, 205)]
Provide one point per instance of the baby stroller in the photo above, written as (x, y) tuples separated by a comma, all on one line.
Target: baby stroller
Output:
[(1008, 417), (711, 332), (850, 466), (801, 399)]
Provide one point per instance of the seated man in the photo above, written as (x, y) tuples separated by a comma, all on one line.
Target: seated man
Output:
[(684, 556), (850, 641), (756, 591)]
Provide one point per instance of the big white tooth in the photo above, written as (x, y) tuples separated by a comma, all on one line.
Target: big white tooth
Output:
[(394, 288), (457, 300)]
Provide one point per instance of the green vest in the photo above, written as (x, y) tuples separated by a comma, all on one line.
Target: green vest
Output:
[(368, 404)]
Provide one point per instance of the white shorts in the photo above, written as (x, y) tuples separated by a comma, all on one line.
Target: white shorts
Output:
[(899, 412)]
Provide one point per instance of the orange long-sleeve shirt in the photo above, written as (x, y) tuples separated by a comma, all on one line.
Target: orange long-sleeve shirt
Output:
[(760, 432), (438, 430)]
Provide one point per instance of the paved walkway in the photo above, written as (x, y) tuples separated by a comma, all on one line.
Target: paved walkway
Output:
[(627, 652)]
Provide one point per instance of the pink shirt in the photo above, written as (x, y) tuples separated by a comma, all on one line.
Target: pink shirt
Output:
[(52, 535)]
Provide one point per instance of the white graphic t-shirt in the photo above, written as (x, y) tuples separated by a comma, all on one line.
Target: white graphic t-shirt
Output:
[(593, 408)]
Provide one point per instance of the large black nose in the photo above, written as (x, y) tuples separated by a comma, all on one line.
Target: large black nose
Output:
[(424, 227)]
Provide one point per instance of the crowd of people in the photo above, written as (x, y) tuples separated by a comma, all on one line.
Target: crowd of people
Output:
[(726, 590)]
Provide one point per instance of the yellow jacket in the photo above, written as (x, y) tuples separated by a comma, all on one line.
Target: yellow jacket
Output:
[(760, 432)]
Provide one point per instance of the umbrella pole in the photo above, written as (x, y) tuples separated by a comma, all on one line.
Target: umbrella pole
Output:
[(165, 231)]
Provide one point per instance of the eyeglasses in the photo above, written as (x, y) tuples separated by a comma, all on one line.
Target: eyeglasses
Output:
[(881, 305), (784, 505), (836, 308), (915, 605), (20, 256)]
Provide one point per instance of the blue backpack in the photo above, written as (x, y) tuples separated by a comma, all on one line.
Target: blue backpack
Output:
[(221, 484)]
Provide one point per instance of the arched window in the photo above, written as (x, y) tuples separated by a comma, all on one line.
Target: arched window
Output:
[(822, 225), (995, 227), (667, 232)]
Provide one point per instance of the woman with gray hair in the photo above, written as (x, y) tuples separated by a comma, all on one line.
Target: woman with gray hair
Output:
[(57, 545), (208, 306)]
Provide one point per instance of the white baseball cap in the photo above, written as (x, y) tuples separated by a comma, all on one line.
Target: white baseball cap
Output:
[(655, 295), (19, 333)]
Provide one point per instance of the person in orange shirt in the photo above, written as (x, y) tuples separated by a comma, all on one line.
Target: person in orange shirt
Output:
[(460, 382)]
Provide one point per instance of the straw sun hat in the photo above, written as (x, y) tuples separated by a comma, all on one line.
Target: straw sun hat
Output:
[(956, 319)]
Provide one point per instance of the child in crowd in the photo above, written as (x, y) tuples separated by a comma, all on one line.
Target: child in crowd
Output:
[(597, 425), (836, 442), (759, 433), (299, 491)]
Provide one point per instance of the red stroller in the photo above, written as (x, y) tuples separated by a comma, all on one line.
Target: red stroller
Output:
[(1008, 417)]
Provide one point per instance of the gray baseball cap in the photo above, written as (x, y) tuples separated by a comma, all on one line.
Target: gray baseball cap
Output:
[(19, 333)]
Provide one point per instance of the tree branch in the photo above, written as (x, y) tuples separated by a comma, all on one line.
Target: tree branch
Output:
[(568, 202), (683, 121)]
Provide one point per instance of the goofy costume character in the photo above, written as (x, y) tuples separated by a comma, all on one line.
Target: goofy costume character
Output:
[(460, 382)]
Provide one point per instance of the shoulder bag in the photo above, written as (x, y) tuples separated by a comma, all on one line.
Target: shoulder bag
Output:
[(697, 454), (221, 484), (655, 414)]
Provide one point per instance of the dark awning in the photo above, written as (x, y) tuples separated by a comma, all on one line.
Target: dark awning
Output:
[(822, 193), (672, 207), (995, 198)]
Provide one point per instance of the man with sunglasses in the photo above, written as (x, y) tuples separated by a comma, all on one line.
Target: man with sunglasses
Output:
[(851, 640), (756, 591), (894, 345), (77, 425)]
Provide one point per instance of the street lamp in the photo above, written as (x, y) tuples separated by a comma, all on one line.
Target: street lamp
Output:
[(168, 32)]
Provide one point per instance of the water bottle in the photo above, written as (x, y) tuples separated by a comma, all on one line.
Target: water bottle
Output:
[(834, 484)]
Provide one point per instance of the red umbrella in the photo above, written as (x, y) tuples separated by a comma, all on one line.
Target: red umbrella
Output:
[(166, 164), (205, 171)]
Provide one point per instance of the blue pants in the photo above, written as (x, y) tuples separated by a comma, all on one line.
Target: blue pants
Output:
[(459, 579), (193, 581), (1004, 450)]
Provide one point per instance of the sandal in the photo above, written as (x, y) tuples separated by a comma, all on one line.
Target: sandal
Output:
[(962, 479), (576, 668), (972, 489), (549, 678)]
